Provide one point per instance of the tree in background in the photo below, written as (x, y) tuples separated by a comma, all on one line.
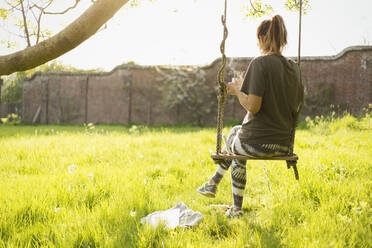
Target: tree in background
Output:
[(78, 31), (187, 89)]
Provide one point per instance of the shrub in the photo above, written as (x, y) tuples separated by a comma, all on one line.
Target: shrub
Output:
[(11, 119)]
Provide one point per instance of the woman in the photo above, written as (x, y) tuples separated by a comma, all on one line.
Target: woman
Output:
[(271, 92)]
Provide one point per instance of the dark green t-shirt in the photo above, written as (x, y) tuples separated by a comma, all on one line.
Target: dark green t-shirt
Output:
[(277, 80)]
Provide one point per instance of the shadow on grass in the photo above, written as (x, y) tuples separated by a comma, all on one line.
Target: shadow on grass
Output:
[(266, 237)]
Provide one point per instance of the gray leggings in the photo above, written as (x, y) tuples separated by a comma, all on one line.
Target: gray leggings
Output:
[(238, 167)]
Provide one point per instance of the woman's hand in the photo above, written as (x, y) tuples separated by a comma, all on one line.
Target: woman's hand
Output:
[(234, 87)]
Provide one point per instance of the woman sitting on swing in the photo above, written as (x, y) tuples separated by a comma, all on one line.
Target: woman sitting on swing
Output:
[(271, 92)]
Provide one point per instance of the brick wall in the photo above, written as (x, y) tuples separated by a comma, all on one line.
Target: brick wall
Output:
[(349, 74), (132, 94), (10, 108)]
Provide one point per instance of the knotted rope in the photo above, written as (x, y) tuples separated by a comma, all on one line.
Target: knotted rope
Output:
[(221, 83)]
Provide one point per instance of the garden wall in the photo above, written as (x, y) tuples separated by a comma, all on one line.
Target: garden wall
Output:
[(134, 94), (10, 108)]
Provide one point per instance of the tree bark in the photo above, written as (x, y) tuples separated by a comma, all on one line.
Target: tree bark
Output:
[(69, 38)]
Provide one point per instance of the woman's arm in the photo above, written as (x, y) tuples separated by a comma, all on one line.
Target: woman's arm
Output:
[(251, 103)]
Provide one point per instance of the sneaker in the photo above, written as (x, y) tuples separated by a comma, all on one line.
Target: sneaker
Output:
[(233, 213), (208, 190)]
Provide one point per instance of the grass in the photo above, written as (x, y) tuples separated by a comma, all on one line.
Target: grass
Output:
[(86, 186)]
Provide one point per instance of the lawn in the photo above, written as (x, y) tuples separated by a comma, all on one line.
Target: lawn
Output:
[(89, 186)]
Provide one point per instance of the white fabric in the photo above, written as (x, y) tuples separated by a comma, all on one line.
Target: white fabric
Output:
[(180, 215)]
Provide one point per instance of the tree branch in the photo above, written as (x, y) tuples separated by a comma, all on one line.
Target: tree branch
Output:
[(255, 10), (38, 28), (12, 33), (12, 7), (43, 9), (73, 35), (25, 24)]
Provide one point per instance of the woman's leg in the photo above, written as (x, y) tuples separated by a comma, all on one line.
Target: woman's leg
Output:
[(238, 182), (209, 188), (224, 166), (238, 167), (238, 175)]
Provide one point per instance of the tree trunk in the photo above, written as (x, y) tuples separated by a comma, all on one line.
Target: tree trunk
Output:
[(69, 38)]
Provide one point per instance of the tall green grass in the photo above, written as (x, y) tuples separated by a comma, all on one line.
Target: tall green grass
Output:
[(86, 186)]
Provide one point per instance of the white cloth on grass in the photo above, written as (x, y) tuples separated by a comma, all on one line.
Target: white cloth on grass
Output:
[(179, 215)]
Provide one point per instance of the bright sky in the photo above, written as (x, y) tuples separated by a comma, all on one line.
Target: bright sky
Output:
[(189, 32)]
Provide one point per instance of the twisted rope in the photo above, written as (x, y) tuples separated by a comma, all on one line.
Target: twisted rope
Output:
[(299, 34), (295, 118), (221, 83)]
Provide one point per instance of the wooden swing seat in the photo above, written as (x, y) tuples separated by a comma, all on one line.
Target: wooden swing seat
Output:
[(294, 157), (290, 159)]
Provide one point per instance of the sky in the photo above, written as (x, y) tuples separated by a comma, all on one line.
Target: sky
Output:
[(189, 32)]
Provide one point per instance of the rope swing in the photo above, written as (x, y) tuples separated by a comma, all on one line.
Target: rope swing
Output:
[(221, 83), (291, 158)]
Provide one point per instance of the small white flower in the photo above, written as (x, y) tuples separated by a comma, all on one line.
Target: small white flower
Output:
[(90, 175), (69, 187), (57, 210), (141, 156), (144, 181), (133, 213), (71, 168), (210, 151)]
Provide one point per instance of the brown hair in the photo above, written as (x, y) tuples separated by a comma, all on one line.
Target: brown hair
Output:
[(272, 35)]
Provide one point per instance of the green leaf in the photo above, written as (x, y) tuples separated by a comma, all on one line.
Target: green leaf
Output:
[(256, 9), (4, 14), (294, 5)]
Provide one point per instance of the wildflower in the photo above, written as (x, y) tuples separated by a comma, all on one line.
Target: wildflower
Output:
[(90, 176), (133, 213), (141, 156), (57, 210), (71, 168)]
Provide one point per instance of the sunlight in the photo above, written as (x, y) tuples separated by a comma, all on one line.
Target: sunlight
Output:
[(189, 32)]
